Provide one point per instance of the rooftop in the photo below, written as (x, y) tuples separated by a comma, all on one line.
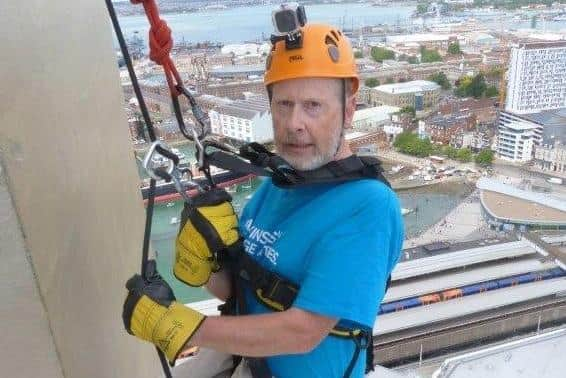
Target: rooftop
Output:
[(555, 117), (376, 113), (509, 203), (409, 87), (542, 45), (542, 199), (530, 357), (246, 109), (514, 209), (431, 37), (255, 69)]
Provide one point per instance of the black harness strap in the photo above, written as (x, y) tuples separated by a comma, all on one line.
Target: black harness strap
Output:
[(256, 159), (274, 291)]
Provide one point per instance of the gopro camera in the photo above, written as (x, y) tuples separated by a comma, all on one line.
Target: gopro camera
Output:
[(287, 20)]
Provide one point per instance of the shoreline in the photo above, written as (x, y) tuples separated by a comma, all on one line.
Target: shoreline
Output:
[(464, 220)]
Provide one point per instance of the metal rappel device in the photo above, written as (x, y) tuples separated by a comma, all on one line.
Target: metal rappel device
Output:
[(163, 164)]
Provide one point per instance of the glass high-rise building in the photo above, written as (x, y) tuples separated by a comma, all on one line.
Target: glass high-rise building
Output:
[(537, 77)]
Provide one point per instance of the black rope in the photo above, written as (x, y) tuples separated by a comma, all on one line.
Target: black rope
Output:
[(151, 133)]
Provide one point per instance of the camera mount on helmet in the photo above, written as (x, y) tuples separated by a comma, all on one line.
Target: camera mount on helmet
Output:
[(288, 20)]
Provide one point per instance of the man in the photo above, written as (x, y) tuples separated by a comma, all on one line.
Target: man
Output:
[(336, 240)]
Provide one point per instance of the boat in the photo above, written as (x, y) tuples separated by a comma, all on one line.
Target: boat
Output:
[(170, 204), (178, 153), (174, 220), (405, 211), (166, 192), (397, 168)]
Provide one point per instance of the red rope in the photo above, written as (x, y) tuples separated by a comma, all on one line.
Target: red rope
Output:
[(160, 44)]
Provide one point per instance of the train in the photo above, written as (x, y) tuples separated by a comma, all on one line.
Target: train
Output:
[(476, 288)]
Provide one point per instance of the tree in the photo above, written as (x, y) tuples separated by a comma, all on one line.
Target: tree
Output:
[(408, 58), (485, 157), (389, 80), (429, 56), (491, 91), (472, 86), (409, 143), (450, 152), (478, 86), (379, 54), (409, 110), (464, 155), (371, 82), (454, 48), (440, 79), (358, 54), (422, 8)]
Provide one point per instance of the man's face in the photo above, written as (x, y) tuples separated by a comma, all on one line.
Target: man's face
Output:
[(307, 121)]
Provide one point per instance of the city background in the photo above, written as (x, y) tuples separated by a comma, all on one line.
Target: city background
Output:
[(464, 102)]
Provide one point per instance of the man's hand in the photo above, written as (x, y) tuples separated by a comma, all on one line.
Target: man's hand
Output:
[(152, 314), (208, 227)]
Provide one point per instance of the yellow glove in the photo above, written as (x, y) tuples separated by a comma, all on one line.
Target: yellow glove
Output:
[(151, 313), (208, 227)]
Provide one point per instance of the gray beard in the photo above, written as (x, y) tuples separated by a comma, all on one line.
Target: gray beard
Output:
[(319, 158)]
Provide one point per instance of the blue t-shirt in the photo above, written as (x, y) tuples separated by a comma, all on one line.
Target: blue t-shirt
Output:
[(339, 243)]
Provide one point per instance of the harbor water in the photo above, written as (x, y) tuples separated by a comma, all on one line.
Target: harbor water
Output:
[(429, 205), (253, 23)]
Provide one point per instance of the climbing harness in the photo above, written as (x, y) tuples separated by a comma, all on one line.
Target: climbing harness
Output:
[(270, 289)]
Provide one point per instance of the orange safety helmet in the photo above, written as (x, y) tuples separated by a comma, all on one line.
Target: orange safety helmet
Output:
[(325, 52)]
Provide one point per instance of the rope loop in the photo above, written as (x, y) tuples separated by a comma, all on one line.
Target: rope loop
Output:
[(160, 45)]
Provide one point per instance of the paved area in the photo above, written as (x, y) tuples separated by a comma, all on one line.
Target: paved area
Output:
[(26, 343), (465, 220)]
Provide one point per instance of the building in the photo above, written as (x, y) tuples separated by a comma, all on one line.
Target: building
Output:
[(232, 89), (370, 119), (243, 120), (553, 123), (530, 356), (483, 109), (362, 142), (407, 94), (237, 71), (507, 207), (429, 40), (537, 78), (363, 95), (551, 158), (443, 128), (517, 137), (475, 140)]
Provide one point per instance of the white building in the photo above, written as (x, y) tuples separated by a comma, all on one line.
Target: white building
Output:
[(551, 157), (370, 119), (537, 77), (416, 38), (243, 120), (517, 137), (246, 48)]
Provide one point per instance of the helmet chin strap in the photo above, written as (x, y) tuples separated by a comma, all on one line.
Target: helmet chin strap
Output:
[(341, 138)]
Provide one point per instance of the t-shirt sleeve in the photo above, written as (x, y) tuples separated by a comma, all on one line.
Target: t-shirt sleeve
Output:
[(347, 269)]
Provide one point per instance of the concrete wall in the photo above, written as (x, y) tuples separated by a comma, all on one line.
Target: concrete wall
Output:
[(71, 173)]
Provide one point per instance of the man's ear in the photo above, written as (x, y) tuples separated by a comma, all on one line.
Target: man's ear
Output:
[(349, 110)]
